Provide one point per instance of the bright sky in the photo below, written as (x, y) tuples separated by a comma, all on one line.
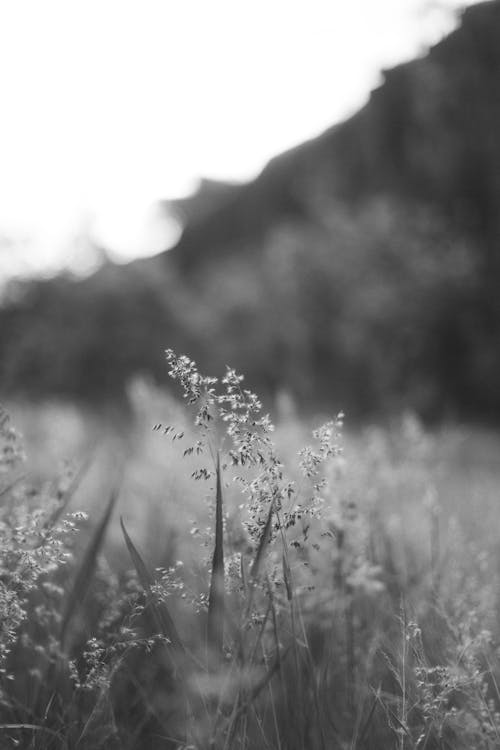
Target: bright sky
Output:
[(109, 105)]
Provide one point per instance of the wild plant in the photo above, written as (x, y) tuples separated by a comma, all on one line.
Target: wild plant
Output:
[(34, 539), (262, 607), (47, 698), (313, 615)]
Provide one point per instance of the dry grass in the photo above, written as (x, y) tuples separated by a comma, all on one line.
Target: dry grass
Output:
[(330, 600)]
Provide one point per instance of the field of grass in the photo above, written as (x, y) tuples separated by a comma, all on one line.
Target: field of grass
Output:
[(228, 585)]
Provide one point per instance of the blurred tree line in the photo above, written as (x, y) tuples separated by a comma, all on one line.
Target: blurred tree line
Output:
[(358, 271)]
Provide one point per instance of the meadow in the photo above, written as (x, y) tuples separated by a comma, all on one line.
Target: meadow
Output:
[(189, 576)]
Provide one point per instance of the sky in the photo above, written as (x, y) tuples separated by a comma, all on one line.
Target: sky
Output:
[(110, 105)]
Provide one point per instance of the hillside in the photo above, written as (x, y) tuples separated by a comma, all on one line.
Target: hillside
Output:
[(360, 269), (429, 133)]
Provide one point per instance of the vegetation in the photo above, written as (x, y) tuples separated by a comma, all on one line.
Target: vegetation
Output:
[(322, 601)]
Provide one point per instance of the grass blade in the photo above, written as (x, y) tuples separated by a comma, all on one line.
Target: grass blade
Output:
[(266, 534), (256, 565), (159, 611), (87, 568), (32, 728), (216, 604), (287, 577), (368, 719)]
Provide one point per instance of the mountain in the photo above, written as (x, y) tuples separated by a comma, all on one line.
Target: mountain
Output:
[(359, 270), (429, 133)]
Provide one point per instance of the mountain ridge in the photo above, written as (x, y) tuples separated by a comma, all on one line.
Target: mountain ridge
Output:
[(376, 149)]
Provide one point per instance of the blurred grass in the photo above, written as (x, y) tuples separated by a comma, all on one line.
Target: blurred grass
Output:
[(409, 540), (393, 471)]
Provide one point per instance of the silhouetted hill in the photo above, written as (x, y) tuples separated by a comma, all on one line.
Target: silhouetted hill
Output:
[(209, 197), (429, 133), (358, 270)]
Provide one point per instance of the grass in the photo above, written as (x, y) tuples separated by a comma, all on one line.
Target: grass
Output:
[(220, 596)]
